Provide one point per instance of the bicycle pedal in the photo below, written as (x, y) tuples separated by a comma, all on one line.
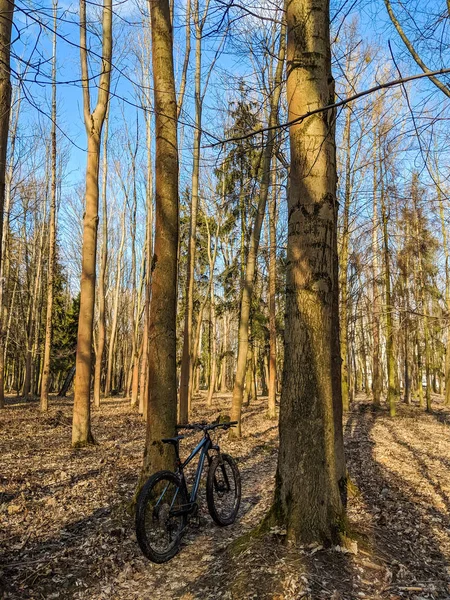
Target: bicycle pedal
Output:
[(195, 522)]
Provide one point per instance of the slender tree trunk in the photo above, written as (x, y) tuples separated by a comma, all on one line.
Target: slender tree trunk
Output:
[(376, 371), (311, 443), (250, 270), (213, 374), (52, 233), (391, 391), (162, 400), (32, 330), (115, 313), (188, 358), (81, 426), (223, 366), (6, 20), (143, 398), (272, 397), (425, 324), (447, 287), (102, 275), (343, 259)]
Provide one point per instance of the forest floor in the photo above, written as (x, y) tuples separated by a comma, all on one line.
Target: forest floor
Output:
[(66, 532)]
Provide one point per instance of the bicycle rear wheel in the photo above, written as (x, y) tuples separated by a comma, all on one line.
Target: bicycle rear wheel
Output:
[(223, 490), (161, 516)]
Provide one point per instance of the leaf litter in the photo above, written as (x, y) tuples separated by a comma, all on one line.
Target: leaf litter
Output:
[(67, 531)]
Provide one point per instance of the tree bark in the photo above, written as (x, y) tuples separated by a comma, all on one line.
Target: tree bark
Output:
[(447, 285), (143, 397), (390, 360), (272, 392), (115, 310), (162, 371), (250, 269), (52, 232), (376, 372), (81, 426), (343, 259), (188, 358), (6, 19), (102, 276), (311, 444)]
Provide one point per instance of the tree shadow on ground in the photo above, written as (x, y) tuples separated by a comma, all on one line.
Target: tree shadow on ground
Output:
[(397, 518), (101, 545)]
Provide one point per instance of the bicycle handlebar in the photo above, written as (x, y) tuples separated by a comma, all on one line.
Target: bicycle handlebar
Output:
[(206, 427)]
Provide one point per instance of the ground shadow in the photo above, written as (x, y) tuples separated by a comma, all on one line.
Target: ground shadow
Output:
[(398, 528)]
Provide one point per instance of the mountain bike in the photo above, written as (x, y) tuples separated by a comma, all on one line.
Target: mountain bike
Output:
[(164, 504)]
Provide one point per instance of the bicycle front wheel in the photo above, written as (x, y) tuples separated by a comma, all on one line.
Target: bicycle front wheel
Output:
[(161, 516), (223, 490)]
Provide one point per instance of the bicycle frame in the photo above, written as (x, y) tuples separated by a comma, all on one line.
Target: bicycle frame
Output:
[(203, 446)]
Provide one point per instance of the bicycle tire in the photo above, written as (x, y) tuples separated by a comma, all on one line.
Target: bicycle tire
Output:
[(214, 486), (159, 515)]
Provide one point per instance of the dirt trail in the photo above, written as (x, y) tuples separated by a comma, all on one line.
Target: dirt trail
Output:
[(65, 531)]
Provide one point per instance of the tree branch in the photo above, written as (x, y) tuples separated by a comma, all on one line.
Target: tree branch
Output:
[(413, 52), (343, 102)]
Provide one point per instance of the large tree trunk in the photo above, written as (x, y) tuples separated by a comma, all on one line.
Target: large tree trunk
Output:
[(162, 371), (311, 468), (81, 426), (52, 233)]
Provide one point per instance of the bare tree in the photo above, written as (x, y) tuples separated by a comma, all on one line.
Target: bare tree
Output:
[(311, 443), (6, 19), (52, 230), (250, 268), (81, 428), (162, 374)]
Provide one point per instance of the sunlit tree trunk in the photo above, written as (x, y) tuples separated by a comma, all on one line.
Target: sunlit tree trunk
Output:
[(115, 308), (272, 392), (310, 480), (188, 358), (102, 275), (143, 385), (6, 20), (250, 268), (447, 286), (376, 370), (223, 366), (343, 259), (390, 359), (81, 427), (52, 231), (162, 371), (213, 374)]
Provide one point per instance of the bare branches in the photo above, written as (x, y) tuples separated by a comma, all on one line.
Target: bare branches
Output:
[(343, 102), (444, 89)]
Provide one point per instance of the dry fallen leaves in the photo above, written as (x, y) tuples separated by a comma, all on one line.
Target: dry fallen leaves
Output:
[(65, 529)]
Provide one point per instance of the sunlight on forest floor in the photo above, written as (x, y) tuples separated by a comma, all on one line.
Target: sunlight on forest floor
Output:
[(65, 531)]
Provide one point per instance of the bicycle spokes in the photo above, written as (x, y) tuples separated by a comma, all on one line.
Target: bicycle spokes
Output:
[(163, 521)]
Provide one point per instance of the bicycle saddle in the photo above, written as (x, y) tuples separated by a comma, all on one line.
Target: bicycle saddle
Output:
[(173, 440)]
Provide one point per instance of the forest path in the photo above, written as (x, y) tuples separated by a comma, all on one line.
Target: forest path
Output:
[(65, 531)]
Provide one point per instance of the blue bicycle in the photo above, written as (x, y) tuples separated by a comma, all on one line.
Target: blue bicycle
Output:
[(164, 504)]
